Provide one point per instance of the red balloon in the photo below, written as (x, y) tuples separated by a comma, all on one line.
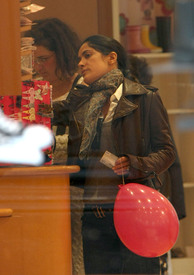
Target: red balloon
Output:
[(145, 220)]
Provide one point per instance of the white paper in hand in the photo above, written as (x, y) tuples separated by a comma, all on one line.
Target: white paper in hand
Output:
[(108, 159)]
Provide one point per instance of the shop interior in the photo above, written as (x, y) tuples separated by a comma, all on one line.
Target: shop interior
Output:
[(33, 216)]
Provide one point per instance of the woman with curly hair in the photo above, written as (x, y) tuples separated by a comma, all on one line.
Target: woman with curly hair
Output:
[(55, 60)]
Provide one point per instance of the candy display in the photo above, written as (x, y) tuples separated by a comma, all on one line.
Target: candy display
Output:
[(32, 107)]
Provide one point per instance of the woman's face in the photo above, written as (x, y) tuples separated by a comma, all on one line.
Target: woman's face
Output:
[(45, 63), (93, 64)]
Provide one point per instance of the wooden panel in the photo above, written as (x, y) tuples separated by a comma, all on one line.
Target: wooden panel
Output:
[(10, 61), (36, 239), (105, 20)]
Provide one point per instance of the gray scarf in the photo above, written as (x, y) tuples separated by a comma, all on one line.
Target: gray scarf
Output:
[(101, 90)]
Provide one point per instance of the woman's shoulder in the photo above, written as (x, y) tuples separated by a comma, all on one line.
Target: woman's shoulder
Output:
[(151, 88), (135, 88)]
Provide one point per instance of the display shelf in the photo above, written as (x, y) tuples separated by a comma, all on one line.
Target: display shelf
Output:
[(28, 52), (180, 111), (158, 56), (26, 77), (25, 28), (188, 184), (25, 3), (25, 52)]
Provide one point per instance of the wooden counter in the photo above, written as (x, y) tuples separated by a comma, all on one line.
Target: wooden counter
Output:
[(35, 235)]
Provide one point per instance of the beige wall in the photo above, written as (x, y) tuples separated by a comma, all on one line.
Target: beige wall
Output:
[(86, 17)]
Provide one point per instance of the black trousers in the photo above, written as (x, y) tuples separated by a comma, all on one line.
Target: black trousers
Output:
[(103, 251)]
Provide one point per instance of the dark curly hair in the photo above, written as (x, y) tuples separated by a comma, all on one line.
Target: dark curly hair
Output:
[(139, 70), (56, 36)]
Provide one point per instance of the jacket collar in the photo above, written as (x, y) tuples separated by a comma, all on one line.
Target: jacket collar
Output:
[(133, 88), (81, 94), (125, 106)]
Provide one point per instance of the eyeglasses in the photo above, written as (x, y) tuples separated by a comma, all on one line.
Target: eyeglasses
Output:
[(42, 59)]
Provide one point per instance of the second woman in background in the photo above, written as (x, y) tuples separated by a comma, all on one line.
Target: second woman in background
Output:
[(55, 60)]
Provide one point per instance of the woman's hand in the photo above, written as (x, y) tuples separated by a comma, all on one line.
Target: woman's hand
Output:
[(122, 166)]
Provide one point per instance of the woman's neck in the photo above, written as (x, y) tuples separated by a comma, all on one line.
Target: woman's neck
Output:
[(61, 87)]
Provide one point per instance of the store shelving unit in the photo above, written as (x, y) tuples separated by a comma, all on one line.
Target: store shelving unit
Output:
[(23, 29), (25, 3)]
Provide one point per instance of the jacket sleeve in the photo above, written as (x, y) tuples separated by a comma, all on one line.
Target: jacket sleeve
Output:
[(61, 113), (160, 152)]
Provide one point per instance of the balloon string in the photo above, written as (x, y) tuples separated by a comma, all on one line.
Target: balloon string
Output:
[(123, 179)]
